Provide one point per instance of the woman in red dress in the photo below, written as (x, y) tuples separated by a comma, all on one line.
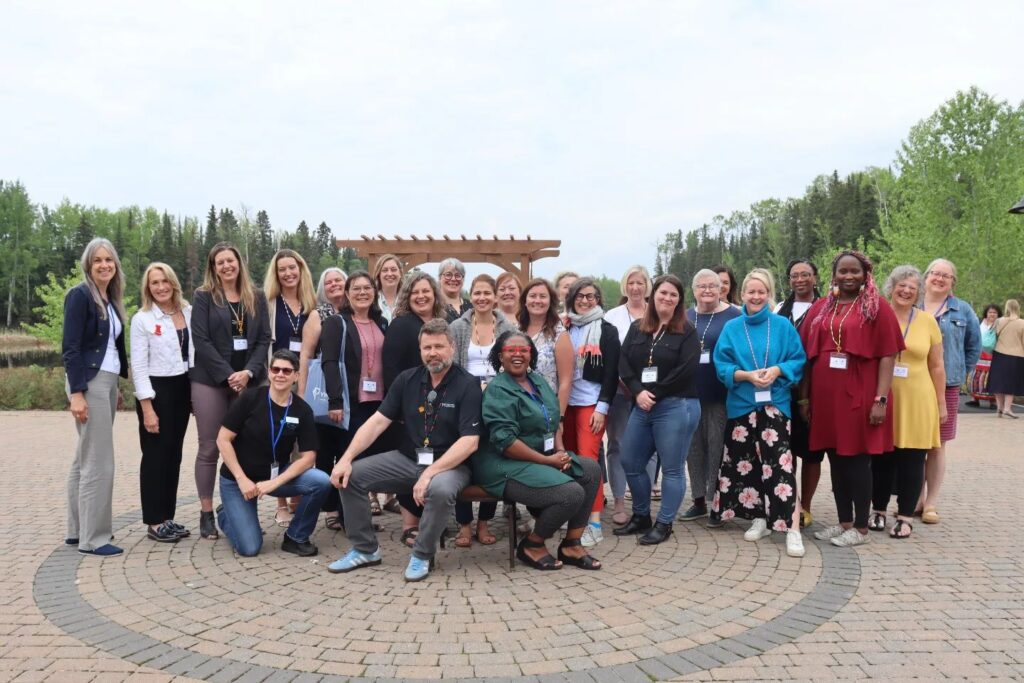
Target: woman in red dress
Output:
[(851, 338)]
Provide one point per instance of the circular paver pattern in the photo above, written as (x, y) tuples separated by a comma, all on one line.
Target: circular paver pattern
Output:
[(703, 599)]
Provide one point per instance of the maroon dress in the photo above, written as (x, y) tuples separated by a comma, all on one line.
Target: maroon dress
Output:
[(841, 400)]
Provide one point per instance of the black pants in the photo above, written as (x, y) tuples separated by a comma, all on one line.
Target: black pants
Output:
[(568, 503), (330, 440), (161, 452), (906, 466), (851, 486), (464, 512)]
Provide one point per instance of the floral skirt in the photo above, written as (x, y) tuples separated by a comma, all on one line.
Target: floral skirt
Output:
[(757, 478)]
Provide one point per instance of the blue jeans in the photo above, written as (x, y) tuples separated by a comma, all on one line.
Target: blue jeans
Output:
[(240, 521), (667, 428)]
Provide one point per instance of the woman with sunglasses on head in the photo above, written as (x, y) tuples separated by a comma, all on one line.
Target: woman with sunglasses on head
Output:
[(523, 460), (961, 348), (161, 356), (387, 277), (595, 344), (231, 333), (803, 292), (450, 276)]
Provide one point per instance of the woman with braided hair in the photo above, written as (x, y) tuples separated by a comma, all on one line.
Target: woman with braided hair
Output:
[(851, 338)]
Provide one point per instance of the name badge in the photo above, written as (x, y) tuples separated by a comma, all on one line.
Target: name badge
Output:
[(295, 344), (705, 358), (424, 456), (274, 469), (549, 443), (240, 343), (837, 361), (901, 371), (649, 375), (291, 419), (369, 386), (763, 396)]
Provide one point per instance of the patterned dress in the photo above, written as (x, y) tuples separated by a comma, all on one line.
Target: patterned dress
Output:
[(546, 366)]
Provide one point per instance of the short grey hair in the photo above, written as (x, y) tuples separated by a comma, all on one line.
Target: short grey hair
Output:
[(436, 326), (703, 273), (321, 295), (901, 273), (452, 263)]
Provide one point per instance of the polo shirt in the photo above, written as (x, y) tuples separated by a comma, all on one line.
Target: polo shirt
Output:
[(249, 418), (453, 414)]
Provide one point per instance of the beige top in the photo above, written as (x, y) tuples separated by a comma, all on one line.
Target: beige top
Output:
[(1010, 333)]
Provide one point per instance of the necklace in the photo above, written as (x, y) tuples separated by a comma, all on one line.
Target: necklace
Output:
[(838, 341), (767, 344), (476, 335), (706, 327)]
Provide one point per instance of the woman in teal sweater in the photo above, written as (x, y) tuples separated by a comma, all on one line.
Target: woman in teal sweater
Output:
[(523, 460), (759, 359)]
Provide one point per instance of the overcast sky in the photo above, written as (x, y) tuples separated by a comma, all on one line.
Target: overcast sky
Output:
[(603, 124)]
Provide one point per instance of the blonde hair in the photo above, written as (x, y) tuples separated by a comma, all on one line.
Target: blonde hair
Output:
[(146, 297), (272, 286), (763, 276), (115, 290), (379, 266), (630, 272), (211, 281), (1012, 308)]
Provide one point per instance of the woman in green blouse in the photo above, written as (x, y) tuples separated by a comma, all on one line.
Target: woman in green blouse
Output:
[(523, 460)]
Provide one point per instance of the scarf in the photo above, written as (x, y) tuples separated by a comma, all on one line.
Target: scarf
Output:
[(590, 349)]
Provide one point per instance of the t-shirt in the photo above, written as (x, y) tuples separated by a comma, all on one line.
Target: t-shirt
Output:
[(709, 328), (453, 413), (249, 418)]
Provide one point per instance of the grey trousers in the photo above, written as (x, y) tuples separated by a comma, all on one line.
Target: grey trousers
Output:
[(392, 472), (706, 448), (91, 479)]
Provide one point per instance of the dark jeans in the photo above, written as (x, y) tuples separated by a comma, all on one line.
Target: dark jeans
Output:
[(906, 466), (161, 452)]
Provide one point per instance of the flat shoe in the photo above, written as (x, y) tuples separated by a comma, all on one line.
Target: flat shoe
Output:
[(620, 517), (930, 516), (545, 563), (586, 562)]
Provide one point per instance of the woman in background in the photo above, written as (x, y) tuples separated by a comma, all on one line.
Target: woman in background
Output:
[(979, 379), (387, 277), (1007, 378), (508, 290), (728, 279)]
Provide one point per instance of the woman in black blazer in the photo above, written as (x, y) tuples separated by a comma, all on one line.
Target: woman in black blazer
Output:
[(231, 333), (94, 357)]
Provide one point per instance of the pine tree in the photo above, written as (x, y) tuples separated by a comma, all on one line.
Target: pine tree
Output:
[(210, 237)]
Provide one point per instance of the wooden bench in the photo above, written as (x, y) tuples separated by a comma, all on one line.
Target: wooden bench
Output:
[(475, 494)]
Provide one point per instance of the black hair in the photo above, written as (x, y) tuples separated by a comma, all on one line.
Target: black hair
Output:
[(495, 356), (999, 311), (786, 311), (285, 354)]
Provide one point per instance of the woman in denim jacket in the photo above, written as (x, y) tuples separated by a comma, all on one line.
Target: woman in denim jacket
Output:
[(961, 347)]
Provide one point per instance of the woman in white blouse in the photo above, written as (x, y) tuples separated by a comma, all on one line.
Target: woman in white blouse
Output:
[(162, 353)]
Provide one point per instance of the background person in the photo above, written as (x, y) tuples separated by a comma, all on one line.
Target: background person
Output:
[(162, 353), (330, 296), (1007, 377), (450, 276), (94, 357), (508, 289), (728, 279), (979, 378), (387, 276), (231, 334), (563, 281)]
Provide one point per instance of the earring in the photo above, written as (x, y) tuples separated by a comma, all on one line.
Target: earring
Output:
[(835, 290), (862, 288)]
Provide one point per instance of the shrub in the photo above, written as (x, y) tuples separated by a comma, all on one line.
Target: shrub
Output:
[(38, 388)]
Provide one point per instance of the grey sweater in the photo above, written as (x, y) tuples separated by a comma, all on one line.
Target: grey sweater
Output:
[(462, 330)]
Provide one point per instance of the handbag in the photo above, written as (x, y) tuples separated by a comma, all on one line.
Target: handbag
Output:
[(316, 386)]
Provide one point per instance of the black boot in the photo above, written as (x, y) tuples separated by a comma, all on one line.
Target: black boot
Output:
[(635, 525), (207, 525), (658, 534)]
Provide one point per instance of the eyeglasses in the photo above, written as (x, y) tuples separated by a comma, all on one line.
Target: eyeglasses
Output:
[(586, 297), (942, 276), (517, 350), (278, 370), (708, 288), (451, 276)]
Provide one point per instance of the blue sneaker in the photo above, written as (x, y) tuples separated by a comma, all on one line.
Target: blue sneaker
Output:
[(354, 559), (418, 569), (107, 550)]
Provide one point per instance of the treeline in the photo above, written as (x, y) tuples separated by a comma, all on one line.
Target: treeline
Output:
[(40, 241), (946, 194)]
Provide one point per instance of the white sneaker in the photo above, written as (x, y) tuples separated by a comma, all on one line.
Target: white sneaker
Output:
[(592, 535), (794, 543), (829, 532), (850, 537), (757, 530)]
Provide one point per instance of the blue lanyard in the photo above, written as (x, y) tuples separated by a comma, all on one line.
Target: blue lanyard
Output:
[(938, 312), (536, 396), (284, 419), (909, 323)]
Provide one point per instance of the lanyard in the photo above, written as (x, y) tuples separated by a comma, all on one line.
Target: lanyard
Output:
[(239, 317), (429, 413), (284, 419), (369, 350), (767, 344), (654, 342), (706, 327), (913, 311), (838, 341), (294, 322), (536, 396), (938, 311)]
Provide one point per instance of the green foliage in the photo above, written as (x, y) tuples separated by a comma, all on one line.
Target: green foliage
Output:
[(610, 291), (38, 388), (50, 327)]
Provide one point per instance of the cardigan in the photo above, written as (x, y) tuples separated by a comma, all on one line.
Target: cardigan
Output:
[(330, 344), (211, 335), (462, 331), (84, 343)]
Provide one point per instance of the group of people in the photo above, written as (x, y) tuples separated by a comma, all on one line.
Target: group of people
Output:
[(392, 383)]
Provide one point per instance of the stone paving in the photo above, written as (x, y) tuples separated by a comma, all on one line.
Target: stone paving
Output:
[(946, 604)]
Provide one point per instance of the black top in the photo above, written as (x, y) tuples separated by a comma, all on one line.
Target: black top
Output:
[(286, 325), (249, 418), (676, 355), (213, 329), (451, 314), (401, 346), (454, 412), (330, 344), (605, 371)]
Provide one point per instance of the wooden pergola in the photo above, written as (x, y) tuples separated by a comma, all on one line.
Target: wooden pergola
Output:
[(513, 254)]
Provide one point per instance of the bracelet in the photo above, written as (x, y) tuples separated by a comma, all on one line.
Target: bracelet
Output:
[(803, 402)]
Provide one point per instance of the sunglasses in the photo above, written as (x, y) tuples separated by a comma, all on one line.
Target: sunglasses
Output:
[(278, 370)]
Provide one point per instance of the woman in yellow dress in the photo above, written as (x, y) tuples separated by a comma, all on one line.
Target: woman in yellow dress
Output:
[(919, 405)]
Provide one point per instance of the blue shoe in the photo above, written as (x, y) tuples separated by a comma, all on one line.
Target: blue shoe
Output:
[(418, 569), (108, 550), (354, 559)]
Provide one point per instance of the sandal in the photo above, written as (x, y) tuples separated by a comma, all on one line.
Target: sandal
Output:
[(464, 540), (897, 529), (333, 523), (409, 535), (620, 517), (391, 504), (283, 517), (375, 510), (930, 515), (584, 562), (546, 563), (877, 521), (489, 539), (806, 519)]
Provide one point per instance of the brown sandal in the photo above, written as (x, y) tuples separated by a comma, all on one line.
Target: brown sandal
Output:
[(462, 540), (489, 539), (375, 510)]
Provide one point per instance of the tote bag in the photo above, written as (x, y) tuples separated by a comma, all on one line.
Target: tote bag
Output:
[(316, 386)]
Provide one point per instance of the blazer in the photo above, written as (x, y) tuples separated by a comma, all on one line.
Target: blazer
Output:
[(85, 339), (155, 350), (211, 335), (330, 348)]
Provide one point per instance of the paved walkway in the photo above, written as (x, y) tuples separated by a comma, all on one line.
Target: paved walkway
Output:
[(947, 604)]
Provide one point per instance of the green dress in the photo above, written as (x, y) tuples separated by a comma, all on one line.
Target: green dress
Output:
[(510, 413)]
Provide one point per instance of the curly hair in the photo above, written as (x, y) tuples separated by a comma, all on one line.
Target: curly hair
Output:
[(499, 345)]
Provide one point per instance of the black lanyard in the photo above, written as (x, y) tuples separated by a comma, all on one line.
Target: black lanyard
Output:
[(429, 413)]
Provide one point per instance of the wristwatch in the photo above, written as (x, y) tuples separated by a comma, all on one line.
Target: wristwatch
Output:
[(882, 400)]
